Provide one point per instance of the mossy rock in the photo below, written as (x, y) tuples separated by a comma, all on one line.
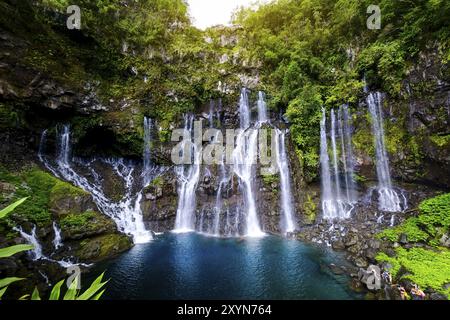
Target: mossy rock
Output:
[(428, 227), (102, 247), (81, 225), (271, 180), (36, 185), (65, 198), (427, 268)]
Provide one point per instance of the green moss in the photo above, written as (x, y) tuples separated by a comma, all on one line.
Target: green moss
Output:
[(359, 178), (410, 228), (78, 220), (36, 185), (435, 213), (310, 209), (269, 179), (42, 189), (158, 182), (10, 117), (395, 138), (104, 246), (440, 141), (61, 190), (164, 135), (428, 227), (363, 137), (427, 268)]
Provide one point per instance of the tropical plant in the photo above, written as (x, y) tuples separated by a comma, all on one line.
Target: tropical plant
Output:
[(12, 250), (94, 292)]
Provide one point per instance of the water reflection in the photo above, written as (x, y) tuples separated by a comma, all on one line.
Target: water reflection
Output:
[(192, 266)]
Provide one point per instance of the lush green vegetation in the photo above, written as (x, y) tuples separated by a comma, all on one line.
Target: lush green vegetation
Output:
[(145, 58), (428, 227), (426, 267), (270, 179), (316, 53), (94, 292), (42, 189)]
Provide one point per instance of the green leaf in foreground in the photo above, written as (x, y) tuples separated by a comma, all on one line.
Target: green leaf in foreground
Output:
[(7, 281), (54, 295), (95, 287), (35, 295), (2, 291), (9, 251), (11, 207), (97, 297), (72, 291)]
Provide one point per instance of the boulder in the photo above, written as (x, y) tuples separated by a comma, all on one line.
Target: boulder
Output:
[(445, 240), (338, 245)]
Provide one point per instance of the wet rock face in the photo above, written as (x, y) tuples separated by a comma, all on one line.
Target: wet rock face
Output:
[(418, 124), (21, 82), (102, 247), (160, 202), (161, 196)]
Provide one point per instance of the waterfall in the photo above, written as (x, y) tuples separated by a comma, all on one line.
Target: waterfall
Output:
[(64, 146), (57, 240), (244, 157), (32, 239), (389, 199), (288, 223), (148, 166), (328, 207), (345, 133), (337, 179), (244, 110), (37, 254), (392, 222), (262, 109), (188, 177), (41, 152), (334, 206), (126, 213)]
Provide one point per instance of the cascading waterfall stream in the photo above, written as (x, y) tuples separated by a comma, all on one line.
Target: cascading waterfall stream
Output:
[(337, 180), (37, 253), (64, 146), (288, 223), (328, 207), (334, 205), (347, 152), (244, 110), (262, 108), (223, 220), (57, 241), (389, 199), (244, 157), (126, 213), (188, 176)]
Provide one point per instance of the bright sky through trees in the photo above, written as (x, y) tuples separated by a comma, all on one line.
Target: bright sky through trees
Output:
[(207, 13)]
